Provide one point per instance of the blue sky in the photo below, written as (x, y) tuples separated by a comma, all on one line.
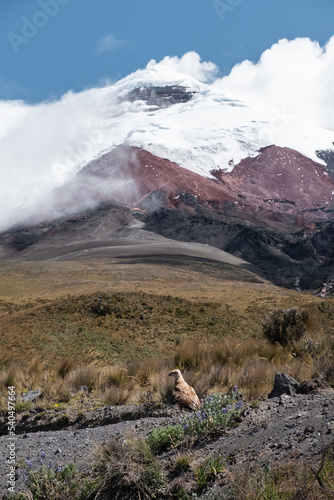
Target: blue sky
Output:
[(82, 43)]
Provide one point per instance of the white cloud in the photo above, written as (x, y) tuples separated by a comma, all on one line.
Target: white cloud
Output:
[(108, 43), (296, 76), (189, 64), (44, 145)]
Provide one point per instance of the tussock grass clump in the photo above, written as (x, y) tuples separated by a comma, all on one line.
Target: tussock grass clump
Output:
[(129, 470), (115, 396), (161, 386), (209, 470), (182, 463), (85, 376), (65, 366), (116, 375), (63, 393), (192, 355), (13, 376)]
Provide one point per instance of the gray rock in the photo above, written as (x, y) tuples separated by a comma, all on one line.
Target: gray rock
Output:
[(284, 384), (31, 396)]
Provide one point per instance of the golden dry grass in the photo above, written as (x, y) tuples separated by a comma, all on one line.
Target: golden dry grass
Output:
[(124, 326)]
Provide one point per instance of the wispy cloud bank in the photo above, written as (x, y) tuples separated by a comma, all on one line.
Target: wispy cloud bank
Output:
[(108, 43)]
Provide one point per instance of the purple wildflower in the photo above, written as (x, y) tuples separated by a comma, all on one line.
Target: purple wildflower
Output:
[(43, 455), (50, 464), (186, 427), (29, 463), (59, 468), (224, 410), (235, 388)]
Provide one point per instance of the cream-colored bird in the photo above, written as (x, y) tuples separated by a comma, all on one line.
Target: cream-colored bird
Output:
[(184, 395)]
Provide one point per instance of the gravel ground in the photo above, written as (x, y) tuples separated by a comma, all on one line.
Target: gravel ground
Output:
[(279, 430)]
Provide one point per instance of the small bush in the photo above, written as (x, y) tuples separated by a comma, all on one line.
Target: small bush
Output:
[(285, 327), (216, 413), (58, 483), (164, 438)]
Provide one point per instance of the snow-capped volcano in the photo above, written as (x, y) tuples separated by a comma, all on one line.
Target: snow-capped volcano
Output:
[(166, 109), (206, 131)]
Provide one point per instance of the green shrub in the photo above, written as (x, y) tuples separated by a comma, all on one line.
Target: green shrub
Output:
[(217, 412), (182, 463), (58, 483), (209, 470), (164, 438), (285, 326)]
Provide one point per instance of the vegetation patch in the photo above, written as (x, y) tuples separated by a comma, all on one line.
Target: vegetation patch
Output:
[(285, 327), (54, 481), (129, 470), (217, 412)]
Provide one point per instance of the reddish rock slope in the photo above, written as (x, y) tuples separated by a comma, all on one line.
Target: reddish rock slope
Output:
[(282, 179), (129, 175)]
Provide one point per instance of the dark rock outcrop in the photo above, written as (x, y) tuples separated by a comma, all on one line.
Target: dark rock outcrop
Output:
[(327, 155), (284, 384), (162, 97)]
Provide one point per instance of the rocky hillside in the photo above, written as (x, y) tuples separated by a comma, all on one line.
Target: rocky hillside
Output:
[(274, 210), (284, 433)]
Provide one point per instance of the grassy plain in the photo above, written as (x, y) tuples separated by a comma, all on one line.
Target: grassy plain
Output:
[(120, 315)]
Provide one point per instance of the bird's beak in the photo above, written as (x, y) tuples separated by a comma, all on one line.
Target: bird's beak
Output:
[(169, 374)]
